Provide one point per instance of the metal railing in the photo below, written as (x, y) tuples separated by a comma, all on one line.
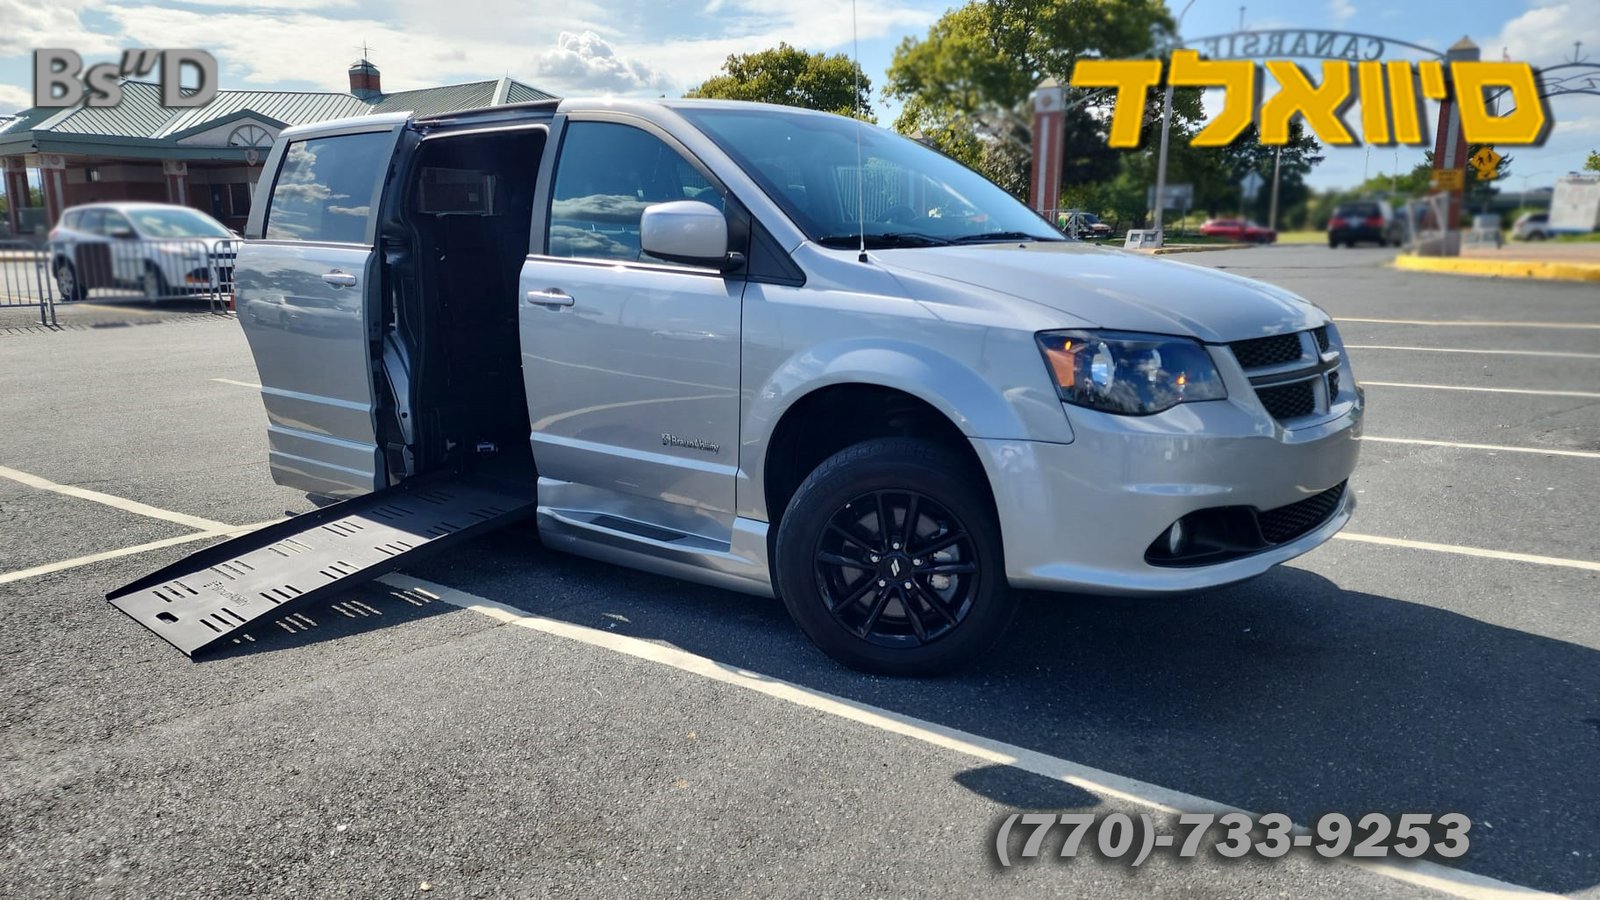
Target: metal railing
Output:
[(25, 280), (150, 269)]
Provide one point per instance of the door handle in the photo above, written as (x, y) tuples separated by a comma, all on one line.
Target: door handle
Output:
[(551, 297), (339, 279)]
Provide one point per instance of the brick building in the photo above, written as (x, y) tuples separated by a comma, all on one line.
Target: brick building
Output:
[(207, 157)]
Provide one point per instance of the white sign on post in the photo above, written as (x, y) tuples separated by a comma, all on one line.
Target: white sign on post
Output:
[(1251, 185)]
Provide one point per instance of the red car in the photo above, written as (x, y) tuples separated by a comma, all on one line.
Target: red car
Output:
[(1239, 230)]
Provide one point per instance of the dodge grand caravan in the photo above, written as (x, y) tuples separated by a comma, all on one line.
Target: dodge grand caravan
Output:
[(779, 352)]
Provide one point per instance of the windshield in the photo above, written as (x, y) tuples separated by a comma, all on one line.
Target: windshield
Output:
[(174, 223), (913, 196)]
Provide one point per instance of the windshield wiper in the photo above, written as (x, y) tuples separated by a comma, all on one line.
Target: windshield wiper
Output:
[(884, 240), (996, 236)]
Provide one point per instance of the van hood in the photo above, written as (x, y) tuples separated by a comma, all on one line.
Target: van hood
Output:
[(1117, 289)]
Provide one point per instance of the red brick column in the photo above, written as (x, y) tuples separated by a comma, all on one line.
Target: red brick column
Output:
[(16, 184)]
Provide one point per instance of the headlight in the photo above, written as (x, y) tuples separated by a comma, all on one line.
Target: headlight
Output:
[(1127, 373)]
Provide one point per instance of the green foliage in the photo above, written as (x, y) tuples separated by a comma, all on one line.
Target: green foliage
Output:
[(1592, 164), (965, 85), (792, 77)]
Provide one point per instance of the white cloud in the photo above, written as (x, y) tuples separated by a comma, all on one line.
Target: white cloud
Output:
[(14, 99), (585, 62), (30, 25), (1341, 11), (1544, 34)]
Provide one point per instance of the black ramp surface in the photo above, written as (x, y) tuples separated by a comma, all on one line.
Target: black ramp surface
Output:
[(213, 596)]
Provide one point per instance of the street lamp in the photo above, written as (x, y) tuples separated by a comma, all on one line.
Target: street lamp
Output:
[(1524, 200), (1166, 126)]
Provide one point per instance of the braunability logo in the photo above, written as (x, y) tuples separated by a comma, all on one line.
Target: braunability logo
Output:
[(1391, 95), (61, 79)]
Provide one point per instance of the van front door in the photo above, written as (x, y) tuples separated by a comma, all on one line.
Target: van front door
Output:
[(631, 363), (307, 296)]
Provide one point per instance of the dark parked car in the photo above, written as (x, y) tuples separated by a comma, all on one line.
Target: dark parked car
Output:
[(1371, 221)]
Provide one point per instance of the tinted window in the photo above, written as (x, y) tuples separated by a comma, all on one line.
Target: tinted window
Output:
[(1356, 209), (327, 188), (93, 221), (606, 176), (72, 219)]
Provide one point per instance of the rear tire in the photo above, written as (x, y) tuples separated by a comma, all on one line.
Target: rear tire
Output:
[(68, 283), (917, 600)]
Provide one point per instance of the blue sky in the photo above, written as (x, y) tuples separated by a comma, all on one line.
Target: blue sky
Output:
[(653, 47)]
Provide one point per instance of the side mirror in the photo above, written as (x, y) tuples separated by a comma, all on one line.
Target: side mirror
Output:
[(688, 232), (121, 234)]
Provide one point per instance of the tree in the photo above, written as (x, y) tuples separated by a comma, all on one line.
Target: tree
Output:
[(965, 86), (1593, 163), (792, 77)]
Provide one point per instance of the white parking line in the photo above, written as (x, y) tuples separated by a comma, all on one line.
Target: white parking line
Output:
[(63, 565), (1484, 390), (247, 384), (1550, 353), (1097, 781), (1471, 551), (132, 506), (1495, 448), (1474, 323)]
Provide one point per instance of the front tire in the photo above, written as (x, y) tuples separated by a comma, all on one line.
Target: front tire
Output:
[(154, 284), (889, 559)]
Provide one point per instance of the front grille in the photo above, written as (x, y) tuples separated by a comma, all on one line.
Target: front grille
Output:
[(1333, 386), (1258, 353), (1289, 522), (1321, 334), (1286, 401)]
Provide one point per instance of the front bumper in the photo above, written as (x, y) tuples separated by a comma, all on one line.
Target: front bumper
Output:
[(1079, 517)]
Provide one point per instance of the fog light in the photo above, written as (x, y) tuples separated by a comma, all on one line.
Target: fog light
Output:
[(1175, 538)]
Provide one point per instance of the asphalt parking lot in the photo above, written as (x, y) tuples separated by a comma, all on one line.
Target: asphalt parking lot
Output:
[(510, 721)]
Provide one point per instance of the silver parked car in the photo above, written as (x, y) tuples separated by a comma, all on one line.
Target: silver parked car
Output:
[(1531, 226), (158, 249), (730, 349)]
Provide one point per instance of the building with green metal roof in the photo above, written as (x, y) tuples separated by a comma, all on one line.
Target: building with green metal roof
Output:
[(207, 157)]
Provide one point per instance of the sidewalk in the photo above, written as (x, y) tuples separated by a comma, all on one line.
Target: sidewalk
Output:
[(1518, 259)]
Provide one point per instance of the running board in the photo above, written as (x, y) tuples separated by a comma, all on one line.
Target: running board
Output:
[(212, 596)]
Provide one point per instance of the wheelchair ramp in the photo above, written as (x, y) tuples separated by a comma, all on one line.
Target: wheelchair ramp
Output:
[(215, 596)]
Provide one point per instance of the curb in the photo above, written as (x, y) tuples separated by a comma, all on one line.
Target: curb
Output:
[(1500, 268)]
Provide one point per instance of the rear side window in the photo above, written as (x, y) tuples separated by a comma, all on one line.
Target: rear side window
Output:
[(327, 189)]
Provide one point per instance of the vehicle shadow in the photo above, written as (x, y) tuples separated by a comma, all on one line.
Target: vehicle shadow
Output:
[(1287, 693)]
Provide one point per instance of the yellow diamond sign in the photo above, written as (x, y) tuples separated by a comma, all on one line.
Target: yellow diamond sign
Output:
[(1484, 162)]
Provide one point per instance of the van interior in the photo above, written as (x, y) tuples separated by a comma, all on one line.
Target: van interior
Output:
[(453, 248)]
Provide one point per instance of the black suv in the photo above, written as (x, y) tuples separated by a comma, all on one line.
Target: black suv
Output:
[(1365, 220)]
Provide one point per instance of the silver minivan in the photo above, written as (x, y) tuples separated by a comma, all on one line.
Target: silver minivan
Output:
[(785, 353)]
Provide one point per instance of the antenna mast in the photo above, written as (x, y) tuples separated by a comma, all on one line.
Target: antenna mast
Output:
[(861, 191)]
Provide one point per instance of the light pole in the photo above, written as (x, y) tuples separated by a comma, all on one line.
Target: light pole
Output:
[(1524, 199), (1166, 127)]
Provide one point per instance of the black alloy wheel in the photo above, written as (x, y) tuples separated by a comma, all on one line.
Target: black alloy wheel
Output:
[(889, 558)]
